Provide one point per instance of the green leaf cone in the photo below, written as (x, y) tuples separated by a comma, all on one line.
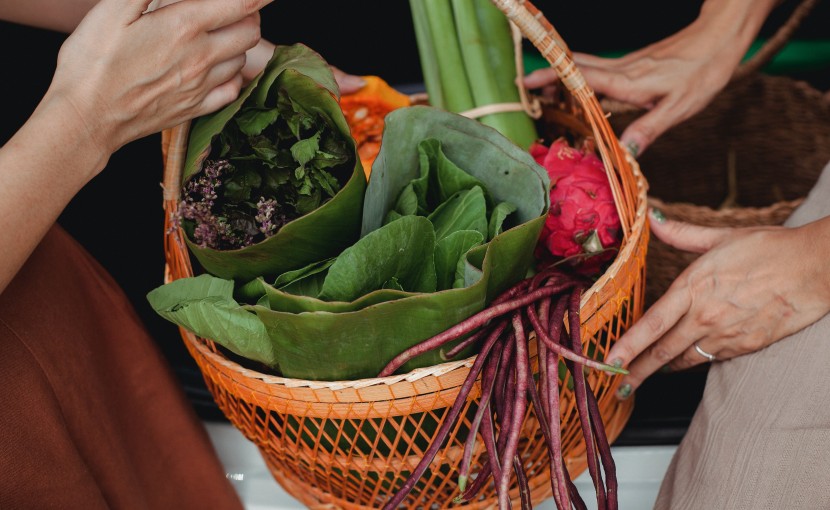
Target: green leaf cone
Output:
[(327, 229)]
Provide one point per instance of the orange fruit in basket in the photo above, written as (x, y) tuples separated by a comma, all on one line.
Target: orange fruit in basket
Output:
[(365, 110)]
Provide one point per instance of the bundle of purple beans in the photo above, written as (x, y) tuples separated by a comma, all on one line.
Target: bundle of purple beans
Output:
[(537, 304)]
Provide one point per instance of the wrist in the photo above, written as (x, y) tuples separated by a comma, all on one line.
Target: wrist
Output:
[(66, 131), (818, 232), (739, 19)]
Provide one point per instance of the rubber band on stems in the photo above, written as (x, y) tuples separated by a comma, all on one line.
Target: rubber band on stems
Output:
[(529, 105)]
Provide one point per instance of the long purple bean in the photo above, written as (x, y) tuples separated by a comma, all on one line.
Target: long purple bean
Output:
[(581, 399), (493, 467), (508, 386), (470, 340), (542, 416), (446, 426), (608, 464), (507, 295), (556, 324), (503, 375), (488, 380), (576, 498), (504, 415), (566, 352), (490, 468), (519, 405), (603, 445), (471, 324), (559, 475), (524, 488)]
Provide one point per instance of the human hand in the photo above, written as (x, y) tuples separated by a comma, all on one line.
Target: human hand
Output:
[(258, 57), (127, 74), (749, 289), (674, 78)]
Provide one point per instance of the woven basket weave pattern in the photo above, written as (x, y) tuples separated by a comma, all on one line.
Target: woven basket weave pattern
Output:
[(772, 134), (351, 444)]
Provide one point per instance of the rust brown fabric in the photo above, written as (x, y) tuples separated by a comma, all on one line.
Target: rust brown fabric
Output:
[(91, 417)]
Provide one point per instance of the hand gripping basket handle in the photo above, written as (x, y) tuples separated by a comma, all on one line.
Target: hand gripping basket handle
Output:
[(546, 39)]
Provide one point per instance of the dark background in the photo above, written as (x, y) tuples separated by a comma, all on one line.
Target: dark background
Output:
[(118, 216)]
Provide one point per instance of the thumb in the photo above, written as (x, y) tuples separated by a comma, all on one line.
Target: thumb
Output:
[(686, 236)]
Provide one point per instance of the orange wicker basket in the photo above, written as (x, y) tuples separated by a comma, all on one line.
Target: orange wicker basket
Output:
[(351, 444)]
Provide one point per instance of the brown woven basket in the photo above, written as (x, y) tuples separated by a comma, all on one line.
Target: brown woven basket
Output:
[(748, 159), (351, 444)]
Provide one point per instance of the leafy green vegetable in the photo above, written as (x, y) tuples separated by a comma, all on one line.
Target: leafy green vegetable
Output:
[(398, 255), (498, 218), (465, 210), (359, 309), (205, 305), (361, 336), (287, 190), (449, 252)]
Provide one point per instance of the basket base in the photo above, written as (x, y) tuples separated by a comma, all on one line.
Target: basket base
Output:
[(316, 499)]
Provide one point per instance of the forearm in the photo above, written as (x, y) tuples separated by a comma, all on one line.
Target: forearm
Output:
[(59, 15), (41, 168), (736, 21)]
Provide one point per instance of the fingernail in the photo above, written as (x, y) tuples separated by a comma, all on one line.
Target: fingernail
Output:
[(624, 392), (617, 363), (658, 216), (633, 148)]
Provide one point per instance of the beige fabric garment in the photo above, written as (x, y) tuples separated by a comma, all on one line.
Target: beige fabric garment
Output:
[(760, 438)]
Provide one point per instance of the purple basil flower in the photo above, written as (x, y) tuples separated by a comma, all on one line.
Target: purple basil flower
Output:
[(266, 207)]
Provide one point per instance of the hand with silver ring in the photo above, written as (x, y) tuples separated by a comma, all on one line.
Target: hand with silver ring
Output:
[(710, 357), (749, 288)]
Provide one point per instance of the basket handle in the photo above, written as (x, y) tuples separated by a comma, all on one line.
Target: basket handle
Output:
[(174, 151), (546, 39), (775, 43)]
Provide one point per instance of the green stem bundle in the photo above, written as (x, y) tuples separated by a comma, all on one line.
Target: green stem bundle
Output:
[(467, 60)]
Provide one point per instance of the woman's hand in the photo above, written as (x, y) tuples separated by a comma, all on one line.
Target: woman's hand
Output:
[(258, 57), (750, 288), (126, 74), (121, 75), (676, 77)]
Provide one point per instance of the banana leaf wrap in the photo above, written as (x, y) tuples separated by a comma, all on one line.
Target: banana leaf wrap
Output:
[(331, 339), (325, 231)]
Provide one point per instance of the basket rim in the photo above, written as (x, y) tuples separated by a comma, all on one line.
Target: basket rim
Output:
[(441, 369), (667, 206)]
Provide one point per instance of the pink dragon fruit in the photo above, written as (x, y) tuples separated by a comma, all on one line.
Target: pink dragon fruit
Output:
[(583, 217)]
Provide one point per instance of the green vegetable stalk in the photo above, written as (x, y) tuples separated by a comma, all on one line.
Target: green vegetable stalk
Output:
[(467, 60)]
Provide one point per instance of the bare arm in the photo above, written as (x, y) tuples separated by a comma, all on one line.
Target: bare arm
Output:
[(120, 76), (678, 76), (58, 15)]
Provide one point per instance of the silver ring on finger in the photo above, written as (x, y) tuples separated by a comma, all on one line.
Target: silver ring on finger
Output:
[(710, 357)]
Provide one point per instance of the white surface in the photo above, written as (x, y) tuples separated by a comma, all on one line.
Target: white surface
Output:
[(639, 472)]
